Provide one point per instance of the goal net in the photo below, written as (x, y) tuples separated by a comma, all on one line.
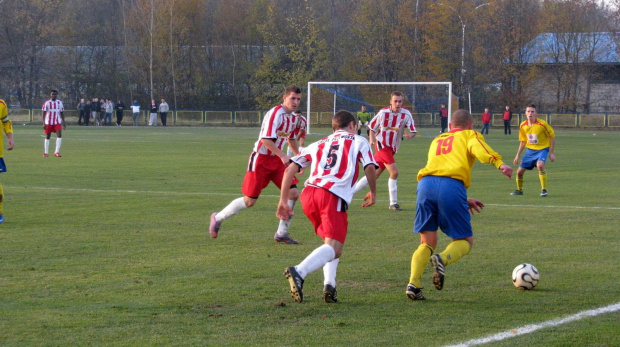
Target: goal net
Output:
[(422, 99)]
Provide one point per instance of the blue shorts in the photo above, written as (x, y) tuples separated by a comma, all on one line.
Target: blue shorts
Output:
[(2, 165), (442, 203), (533, 156)]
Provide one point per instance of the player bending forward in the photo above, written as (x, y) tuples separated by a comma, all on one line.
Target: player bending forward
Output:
[(442, 198), (327, 194)]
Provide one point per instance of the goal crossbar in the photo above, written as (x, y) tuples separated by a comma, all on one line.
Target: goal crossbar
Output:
[(311, 83)]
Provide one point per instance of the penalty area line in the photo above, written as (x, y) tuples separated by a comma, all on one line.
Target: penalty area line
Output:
[(534, 327)]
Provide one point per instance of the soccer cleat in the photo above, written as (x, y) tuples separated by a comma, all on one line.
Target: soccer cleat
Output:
[(286, 238), (414, 293), (296, 283), (439, 271), (57, 155), (45, 155), (214, 226), (517, 192), (1, 218), (395, 207), (543, 193), (329, 294)]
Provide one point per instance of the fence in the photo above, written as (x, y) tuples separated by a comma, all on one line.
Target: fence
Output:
[(323, 119)]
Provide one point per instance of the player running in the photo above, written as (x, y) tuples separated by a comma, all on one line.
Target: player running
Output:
[(334, 167), (386, 132)]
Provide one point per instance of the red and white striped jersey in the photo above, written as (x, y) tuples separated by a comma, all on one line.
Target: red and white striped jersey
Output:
[(277, 125), (389, 126), (302, 128), (52, 110), (334, 162)]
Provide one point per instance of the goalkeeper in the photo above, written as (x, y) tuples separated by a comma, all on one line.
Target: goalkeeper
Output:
[(364, 117)]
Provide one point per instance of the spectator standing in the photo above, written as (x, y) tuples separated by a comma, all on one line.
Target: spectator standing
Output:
[(153, 114), (334, 166), (163, 111), (135, 109), (120, 109), (87, 108), (109, 109), (486, 121), (80, 107), (7, 126), (53, 113), (507, 118), (95, 108), (102, 103), (443, 114)]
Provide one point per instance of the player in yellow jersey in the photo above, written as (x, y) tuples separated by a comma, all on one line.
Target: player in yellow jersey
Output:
[(539, 138), (7, 126), (442, 201)]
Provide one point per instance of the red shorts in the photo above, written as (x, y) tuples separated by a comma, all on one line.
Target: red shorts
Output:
[(263, 169), (384, 157), (326, 211), (52, 128)]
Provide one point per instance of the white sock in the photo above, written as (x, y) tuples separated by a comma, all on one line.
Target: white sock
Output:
[(329, 272), (393, 191), (284, 224), (316, 260), (232, 209), (58, 143), (46, 146), (360, 184)]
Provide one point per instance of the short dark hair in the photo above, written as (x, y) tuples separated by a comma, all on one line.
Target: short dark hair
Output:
[(342, 119), (532, 106), (396, 93), (53, 91), (292, 89), (461, 119)]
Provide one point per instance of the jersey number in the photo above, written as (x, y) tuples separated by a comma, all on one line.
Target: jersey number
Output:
[(332, 156), (444, 146)]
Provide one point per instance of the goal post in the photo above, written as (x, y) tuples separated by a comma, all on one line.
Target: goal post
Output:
[(421, 98)]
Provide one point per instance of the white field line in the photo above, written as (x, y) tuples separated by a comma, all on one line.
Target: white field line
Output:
[(533, 327), (274, 196)]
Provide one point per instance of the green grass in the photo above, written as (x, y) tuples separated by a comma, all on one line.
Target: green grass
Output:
[(108, 245)]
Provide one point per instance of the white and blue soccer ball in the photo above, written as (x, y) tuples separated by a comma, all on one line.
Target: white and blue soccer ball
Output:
[(525, 276)]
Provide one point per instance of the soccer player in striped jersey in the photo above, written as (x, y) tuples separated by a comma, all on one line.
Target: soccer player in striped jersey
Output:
[(538, 137), (267, 163), (386, 131), (442, 198), (53, 122), (7, 126), (328, 191)]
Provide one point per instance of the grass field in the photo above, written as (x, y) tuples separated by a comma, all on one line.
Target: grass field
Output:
[(109, 245)]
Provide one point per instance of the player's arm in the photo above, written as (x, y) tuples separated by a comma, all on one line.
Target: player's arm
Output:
[(521, 147), (551, 149), (271, 146), (62, 116), (371, 176), (293, 145), (284, 211), (7, 125), (371, 137)]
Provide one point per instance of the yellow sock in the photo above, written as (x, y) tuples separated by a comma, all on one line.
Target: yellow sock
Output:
[(419, 259), (455, 251), (519, 183), (543, 179)]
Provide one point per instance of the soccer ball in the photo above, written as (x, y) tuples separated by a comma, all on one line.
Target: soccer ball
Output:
[(525, 276)]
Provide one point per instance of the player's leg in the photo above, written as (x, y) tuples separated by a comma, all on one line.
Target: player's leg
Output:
[(282, 234), (1, 201), (46, 142), (542, 176), (363, 182), (421, 256), (329, 283), (392, 168), (58, 142)]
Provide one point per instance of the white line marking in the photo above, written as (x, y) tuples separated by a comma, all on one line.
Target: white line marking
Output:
[(274, 196), (533, 327)]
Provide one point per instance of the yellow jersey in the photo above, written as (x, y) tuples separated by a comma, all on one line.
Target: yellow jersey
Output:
[(537, 136), (6, 122), (452, 154)]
